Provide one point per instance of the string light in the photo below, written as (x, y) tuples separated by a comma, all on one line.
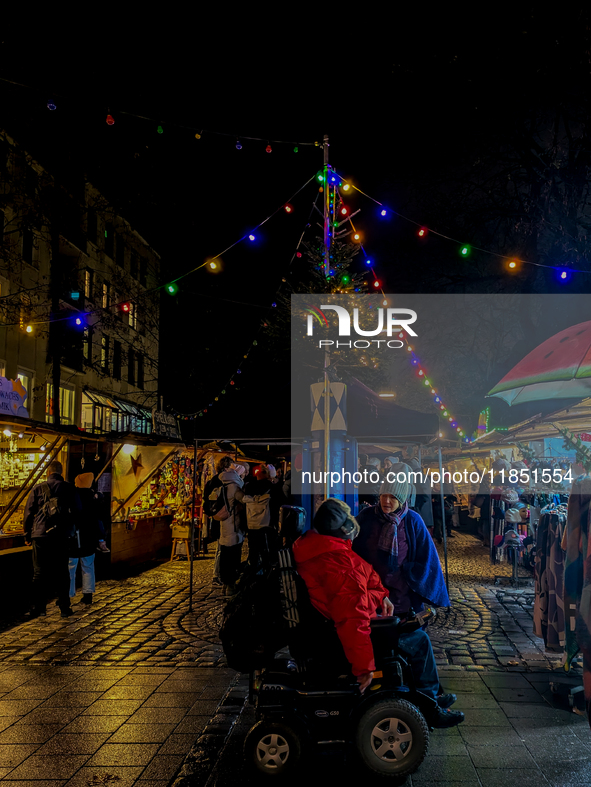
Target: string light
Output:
[(251, 237), (160, 130), (238, 145), (110, 121), (269, 149), (465, 251), (51, 104)]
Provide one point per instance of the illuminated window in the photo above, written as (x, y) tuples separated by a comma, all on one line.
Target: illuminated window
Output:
[(66, 403)]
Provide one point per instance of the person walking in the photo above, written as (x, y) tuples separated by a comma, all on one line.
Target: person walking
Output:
[(51, 512), (263, 499), (84, 546)]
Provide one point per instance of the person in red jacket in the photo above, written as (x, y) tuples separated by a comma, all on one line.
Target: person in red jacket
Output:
[(342, 586)]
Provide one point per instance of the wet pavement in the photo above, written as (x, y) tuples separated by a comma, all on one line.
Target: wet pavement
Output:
[(135, 688)]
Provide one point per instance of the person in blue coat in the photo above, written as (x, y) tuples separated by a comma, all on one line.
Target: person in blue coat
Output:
[(395, 541)]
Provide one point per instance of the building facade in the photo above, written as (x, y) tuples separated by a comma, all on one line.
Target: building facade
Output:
[(79, 295)]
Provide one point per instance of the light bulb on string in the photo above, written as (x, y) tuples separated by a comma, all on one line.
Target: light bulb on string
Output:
[(512, 265), (465, 251), (376, 284), (251, 237), (110, 120), (238, 145), (563, 275), (160, 130), (172, 288), (197, 136), (295, 150), (383, 213), (346, 187), (368, 262), (320, 177), (288, 208), (51, 104), (422, 233), (269, 149)]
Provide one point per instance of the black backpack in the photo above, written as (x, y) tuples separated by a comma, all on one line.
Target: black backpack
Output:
[(50, 510), (212, 507)]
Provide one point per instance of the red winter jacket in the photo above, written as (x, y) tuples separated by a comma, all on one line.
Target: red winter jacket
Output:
[(345, 589)]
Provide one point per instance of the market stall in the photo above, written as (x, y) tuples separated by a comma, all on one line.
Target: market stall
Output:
[(152, 485), (26, 449)]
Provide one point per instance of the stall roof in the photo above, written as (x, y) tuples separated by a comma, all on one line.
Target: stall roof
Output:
[(370, 417)]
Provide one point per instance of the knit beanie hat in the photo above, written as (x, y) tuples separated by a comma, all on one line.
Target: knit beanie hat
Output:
[(334, 518), (399, 490), (84, 480)]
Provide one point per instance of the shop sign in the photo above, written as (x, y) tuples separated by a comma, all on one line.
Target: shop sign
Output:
[(12, 398), (164, 424)]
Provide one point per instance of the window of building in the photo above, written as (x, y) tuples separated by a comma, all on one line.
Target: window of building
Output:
[(66, 402), (88, 283), (87, 345), (134, 264), (131, 366), (109, 240), (26, 378), (144, 272), (133, 316), (105, 353), (91, 226), (106, 294), (117, 360), (119, 251), (140, 371)]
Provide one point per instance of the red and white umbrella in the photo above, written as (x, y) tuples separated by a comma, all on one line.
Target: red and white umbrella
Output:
[(559, 368)]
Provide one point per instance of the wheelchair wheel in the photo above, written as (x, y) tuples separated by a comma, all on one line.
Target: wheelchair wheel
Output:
[(273, 748), (392, 738)]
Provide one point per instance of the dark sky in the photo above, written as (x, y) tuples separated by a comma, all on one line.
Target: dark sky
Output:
[(402, 94)]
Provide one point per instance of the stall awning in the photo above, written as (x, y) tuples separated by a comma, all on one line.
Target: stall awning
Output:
[(130, 414)]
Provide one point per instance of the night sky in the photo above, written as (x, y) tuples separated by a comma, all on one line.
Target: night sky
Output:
[(407, 98)]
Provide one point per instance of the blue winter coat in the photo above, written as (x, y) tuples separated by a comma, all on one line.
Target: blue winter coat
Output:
[(421, 569)]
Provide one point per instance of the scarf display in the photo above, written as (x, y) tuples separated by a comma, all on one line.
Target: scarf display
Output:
[(388, 540)]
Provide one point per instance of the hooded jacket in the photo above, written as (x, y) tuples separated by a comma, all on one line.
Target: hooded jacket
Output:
[(343, 588), (231, 528)]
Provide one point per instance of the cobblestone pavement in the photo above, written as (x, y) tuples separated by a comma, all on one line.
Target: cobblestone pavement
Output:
[(138, 621), (135, 687)]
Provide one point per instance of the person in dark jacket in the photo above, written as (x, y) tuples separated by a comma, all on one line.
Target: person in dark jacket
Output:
[(83, 547), (49, 538), (395, 541)]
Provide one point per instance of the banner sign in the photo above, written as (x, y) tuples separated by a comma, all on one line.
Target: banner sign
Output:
[(165, 424), (12, 398)]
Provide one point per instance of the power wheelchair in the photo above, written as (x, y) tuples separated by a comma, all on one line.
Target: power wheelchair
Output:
[(308, 697)]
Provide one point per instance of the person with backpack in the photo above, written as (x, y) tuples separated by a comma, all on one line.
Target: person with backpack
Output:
[(228, 509), (262, 499), (51, 513)]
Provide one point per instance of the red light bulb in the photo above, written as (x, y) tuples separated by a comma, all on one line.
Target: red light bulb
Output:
[(269, 149), (422, 233), (376, 284), (110, 120)]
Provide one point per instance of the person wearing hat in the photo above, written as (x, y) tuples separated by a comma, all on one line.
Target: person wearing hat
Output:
[(342, 586), (395, 541), (346, 589)]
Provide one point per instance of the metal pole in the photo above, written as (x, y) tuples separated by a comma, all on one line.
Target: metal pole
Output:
[(327, 244), (192, 539), (327, 235), (443, 520)]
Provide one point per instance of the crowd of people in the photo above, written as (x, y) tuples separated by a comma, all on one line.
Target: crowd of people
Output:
[(383, 562)]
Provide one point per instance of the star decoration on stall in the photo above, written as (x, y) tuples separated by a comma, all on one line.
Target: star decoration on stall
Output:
[(136, 465)]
